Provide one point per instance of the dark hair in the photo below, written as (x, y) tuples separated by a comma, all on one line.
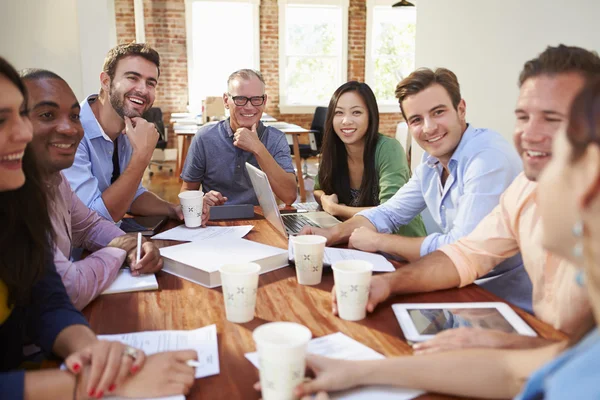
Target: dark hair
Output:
[(584, 118), (562, 59), (26, 234), (422, 78), (36, 73), (333, 171), (128, 50)]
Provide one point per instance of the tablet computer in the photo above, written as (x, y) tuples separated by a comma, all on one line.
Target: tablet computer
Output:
[(422, 321)]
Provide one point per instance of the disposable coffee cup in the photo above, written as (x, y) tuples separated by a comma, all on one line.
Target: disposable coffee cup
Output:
[(308, 257), (281, 350), (352, 284), (240, 285), (191, 205)]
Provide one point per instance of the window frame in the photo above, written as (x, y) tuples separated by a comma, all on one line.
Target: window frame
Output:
[(308, 108), (384, 107), (190, 39)]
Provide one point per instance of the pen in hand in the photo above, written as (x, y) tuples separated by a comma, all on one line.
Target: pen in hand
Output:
[(139, 248)]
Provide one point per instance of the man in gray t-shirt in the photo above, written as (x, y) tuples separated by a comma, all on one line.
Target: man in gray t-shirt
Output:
[(216, 159)]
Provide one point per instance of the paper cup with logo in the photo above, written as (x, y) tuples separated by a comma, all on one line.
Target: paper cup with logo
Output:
[(281, 350), (352, 283), (240, 284), (308, 256), (191, 205)]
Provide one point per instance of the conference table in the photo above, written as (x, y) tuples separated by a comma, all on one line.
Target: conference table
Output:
[(183, 305)]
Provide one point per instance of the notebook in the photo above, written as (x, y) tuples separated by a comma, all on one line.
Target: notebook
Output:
[(199, 262), (125, 282)]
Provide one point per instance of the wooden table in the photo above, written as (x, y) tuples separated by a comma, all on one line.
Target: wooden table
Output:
[(180, 304)]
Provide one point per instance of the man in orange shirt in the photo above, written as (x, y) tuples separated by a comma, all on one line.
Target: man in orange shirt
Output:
[(548, 85)]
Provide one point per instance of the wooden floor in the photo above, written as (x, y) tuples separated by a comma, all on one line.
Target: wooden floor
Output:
[(166, 185)]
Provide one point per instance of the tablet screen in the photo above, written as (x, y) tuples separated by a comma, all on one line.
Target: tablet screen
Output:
[(432, 321)]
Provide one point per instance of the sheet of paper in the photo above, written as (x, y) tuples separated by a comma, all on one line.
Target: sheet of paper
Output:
[(184, 234), (203, 340), (342, 347), (334, 254), (125, 282)]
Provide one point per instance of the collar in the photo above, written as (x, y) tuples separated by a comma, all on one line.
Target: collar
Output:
[(227, 126), (92, 127), (432, 161)]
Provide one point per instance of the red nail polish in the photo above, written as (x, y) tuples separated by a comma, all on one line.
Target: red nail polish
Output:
[(100, 394), (112, 388), (91, 393), (76, 367), (134, 369)]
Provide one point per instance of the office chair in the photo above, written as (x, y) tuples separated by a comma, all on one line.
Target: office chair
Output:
[(155, 116), (315, 138)]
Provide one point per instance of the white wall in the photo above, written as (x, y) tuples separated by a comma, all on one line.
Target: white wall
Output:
[(486, 43), (69, 37)]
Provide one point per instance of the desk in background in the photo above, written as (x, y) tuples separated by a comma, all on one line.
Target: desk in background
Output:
[(180, 304)]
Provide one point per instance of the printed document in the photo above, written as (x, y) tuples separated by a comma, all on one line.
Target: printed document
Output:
[(185, 234)]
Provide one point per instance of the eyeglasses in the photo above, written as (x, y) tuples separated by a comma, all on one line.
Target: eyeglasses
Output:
[(243, 100)]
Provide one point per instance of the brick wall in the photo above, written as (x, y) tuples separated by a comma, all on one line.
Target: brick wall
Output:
[(165, 31)]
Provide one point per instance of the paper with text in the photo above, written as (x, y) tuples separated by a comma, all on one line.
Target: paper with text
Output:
[(125, 282), (334, 254), (203, 340), (184, 234), (342, 347)]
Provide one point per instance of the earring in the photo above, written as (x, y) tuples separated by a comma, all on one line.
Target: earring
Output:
[(580, 278), (577, 231)]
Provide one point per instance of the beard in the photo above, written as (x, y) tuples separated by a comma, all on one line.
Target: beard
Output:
[(117, 101)]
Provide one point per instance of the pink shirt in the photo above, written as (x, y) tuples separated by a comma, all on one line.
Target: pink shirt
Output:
[(513, 226), (75, 225)]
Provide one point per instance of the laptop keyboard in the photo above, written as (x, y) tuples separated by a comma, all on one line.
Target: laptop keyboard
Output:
[(295, 222)]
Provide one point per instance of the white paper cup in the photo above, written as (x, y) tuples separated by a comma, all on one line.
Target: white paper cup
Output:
[(308, 256), (191, 205), (240, 284), (281, 350), (352, 282)]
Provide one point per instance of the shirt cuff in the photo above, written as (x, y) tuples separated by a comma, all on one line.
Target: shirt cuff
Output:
[(373, 216), (61, 319), (429, 244), (12, 385), (466, 272), (99, 206)]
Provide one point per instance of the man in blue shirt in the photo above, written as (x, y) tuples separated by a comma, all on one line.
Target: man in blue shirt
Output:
[(463, 173), (216, 159), (118, 142)]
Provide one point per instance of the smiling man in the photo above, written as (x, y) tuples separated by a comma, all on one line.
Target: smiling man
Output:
[(118, 143), (217, 157), (460, 179), (57, 130)]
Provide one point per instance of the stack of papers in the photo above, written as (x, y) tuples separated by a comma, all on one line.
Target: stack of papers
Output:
[(185, 234), (342, 347), (334, 254)]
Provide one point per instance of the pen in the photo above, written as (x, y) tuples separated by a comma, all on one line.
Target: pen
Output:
[(139, 248), (193, 363)]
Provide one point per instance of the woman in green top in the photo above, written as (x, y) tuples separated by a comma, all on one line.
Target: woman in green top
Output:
[(360, 168)]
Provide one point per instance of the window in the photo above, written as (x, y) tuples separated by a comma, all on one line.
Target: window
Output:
[(313, 55), (390, 49), (214, 29)]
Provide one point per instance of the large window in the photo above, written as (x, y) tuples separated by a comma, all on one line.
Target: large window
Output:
[(390, 49), (222, 36), (313, 37)]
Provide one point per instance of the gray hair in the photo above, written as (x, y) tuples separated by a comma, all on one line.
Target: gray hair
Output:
[(245, 74)]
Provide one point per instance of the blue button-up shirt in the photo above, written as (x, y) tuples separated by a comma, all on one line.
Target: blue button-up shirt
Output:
[(217, 164), (483, 165), (90, 174)]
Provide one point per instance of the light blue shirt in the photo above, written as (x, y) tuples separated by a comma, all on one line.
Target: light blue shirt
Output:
[(92, 170), (573, 375), (483, 165)]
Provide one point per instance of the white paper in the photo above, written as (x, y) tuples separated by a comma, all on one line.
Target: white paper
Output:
[(342, 347), (185, 234), (203, 340), (334, 254), (125, 282)]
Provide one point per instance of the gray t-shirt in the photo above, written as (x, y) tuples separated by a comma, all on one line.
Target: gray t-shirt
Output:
[(217, 164)]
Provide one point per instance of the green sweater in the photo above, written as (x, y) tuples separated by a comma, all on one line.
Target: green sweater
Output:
[(392, 169)]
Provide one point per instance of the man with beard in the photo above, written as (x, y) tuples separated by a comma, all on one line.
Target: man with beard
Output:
[(118, 142)]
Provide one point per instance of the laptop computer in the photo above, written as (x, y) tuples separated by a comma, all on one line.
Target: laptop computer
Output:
[(287, 224)]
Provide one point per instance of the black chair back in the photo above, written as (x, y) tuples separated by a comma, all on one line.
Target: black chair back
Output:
[(318, 125), (155, 115)]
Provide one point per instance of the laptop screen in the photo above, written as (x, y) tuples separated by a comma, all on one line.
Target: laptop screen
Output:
[(266, 198)]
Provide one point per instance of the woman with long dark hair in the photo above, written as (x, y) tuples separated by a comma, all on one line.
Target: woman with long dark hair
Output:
[(360, 168), (34, 306)]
